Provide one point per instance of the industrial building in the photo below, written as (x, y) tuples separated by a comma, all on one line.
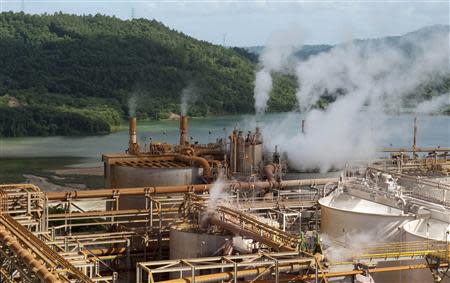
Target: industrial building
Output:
[(223, 212)]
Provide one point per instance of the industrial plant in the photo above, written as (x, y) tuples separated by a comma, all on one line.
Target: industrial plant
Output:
[(232, 211)]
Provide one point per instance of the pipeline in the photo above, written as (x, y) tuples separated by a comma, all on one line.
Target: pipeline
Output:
[(269, 172), (200, 161), (209, 151), (27, 257), (251, 234), (103, 193), (230, 275)]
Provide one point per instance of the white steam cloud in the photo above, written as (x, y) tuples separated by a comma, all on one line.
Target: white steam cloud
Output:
[(132, 105), (277, 56), (434, 105), (367, 80), (188, 96), (216, 194)]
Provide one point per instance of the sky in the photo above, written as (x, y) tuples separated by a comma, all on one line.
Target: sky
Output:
[(251, 22)]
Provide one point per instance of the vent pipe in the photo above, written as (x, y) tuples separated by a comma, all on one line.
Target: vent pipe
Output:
[(184, 140), (133, 147)]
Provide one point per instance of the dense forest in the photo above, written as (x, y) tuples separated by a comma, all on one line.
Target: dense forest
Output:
[(66, 75)]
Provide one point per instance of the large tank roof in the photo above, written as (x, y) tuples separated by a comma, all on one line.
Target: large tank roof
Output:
[(351, 203), (430, 229)]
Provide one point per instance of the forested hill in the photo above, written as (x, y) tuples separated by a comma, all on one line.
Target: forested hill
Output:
[(65, 74)]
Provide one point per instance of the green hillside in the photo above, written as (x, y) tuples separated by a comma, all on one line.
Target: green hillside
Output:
[(65, 74)]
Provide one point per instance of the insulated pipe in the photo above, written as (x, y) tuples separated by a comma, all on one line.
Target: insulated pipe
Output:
[(101, 193), (28, 258), (200, 161), (184, 131)]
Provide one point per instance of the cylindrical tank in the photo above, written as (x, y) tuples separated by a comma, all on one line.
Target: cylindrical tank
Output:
[(427, 229), (351, 219), (355, 221), (130, 177), (189, 241), (424, 230), (127, 176)]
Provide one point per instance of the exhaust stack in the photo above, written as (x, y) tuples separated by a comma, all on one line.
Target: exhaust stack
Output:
[(133, 146), (184, 140)]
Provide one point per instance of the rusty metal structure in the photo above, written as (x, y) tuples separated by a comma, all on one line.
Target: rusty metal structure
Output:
[(190, 163), (241, 221)]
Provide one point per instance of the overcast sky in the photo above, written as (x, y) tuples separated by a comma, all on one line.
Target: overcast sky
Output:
[(250, 22)]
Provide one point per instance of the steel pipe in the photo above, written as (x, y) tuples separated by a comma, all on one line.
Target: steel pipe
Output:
[(200, 161), (103, 193), (27, 257), (228, 276)]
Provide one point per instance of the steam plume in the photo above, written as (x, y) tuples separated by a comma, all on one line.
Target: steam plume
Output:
[(216, 194), (132, 105), (188, 96), (367, 80), (435, 105), (276, 57)]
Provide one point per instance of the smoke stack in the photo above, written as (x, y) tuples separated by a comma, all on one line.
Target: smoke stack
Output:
[(184, 130), (133, 147)]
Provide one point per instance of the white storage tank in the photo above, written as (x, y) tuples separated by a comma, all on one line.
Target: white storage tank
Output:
[(425, 230), (354, 221), (347, 218)]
